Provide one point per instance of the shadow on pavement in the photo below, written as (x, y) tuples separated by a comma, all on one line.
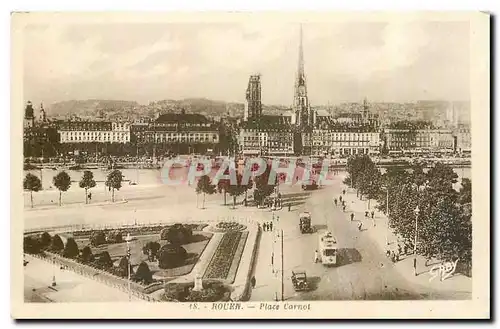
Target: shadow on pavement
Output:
[(347, 256), (319, 227), (313, 282)]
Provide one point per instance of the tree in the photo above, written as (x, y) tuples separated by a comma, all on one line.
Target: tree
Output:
[(222, 187), (33, 184), (170, 256), (71, 249), (151, 249), (122, 270), (45, 240), (114, 181), (177, 234), (87, 255), (418, 177), (87, 182), (444, 223), (57, 243), (31, 245), (62, 182), (237, 189), (104, 260), (97, 238), (465, 194), (205, 186), (114, 236), (143, 273), (263, 188)]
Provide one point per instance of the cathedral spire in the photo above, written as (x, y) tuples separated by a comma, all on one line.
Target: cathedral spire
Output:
[(300, 71)]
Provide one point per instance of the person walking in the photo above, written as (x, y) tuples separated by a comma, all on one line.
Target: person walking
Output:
[(373, 214), (253, 282), (343, 192), (340, 198), (360, 226), (265, 226), (270, 226), (335, 201), (343, 208), (90, 196), (352, 217), (289, 206), (316, 256)]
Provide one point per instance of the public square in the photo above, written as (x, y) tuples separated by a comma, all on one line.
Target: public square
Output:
[(364, 272)]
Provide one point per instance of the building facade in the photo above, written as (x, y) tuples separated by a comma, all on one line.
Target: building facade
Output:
[(463, 140), (179, 133), (253, 105), (418, 141), (270, 135)]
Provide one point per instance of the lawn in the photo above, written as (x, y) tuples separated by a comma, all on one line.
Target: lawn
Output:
[(119, 250)]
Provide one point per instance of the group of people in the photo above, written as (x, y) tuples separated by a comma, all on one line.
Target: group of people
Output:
[(267, 226), (341, 201), (395, 255)]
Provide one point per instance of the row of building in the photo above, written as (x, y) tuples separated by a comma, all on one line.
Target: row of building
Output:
[(299, 131)]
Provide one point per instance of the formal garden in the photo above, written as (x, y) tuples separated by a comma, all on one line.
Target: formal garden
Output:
[(158, 255)]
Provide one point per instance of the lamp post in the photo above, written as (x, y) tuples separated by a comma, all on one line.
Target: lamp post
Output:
[(127, 239), (417, 211), (387, 215)]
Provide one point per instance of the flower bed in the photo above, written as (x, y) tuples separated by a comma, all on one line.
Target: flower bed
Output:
[(229, 227), (221, 262), (134, 230)]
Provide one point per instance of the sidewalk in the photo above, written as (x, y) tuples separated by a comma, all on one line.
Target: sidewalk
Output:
[(70, 287), (381, 232)]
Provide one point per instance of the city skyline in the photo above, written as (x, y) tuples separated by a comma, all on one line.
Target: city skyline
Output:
[(94, 62)]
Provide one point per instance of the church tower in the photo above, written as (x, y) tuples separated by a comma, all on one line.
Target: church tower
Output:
[(301, 108), (43, 115), (29, 115)]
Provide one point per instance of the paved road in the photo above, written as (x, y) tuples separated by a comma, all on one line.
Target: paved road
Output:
[(364, 273)]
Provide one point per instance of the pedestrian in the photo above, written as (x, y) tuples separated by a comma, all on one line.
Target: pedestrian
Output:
[(360, 225), (388, 253), (373, 214), (343, 192), (393, 257), (343, 202), (352, 216), (270, 226), (366, 213), (343, 208), (265, 226), (340, 198), (253, 282), (335, 201), (316, 257), (289, 206), (90, 196)]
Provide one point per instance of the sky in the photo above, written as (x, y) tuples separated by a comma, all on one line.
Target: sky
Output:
[(344, 61)]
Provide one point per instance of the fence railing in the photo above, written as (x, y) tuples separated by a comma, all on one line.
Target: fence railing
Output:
[(96, 275)]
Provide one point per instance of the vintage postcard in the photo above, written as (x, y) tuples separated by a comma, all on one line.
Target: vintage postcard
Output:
[(250, 165)]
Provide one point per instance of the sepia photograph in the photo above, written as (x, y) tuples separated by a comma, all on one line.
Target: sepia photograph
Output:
[(257, 165)]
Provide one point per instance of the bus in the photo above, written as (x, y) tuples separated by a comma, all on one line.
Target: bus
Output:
[(328, 248)]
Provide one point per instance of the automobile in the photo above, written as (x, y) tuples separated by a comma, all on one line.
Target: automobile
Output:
[(299, 281), (311, 185)]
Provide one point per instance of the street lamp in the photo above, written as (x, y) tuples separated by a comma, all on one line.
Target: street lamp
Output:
[(387, 215), (127, 239), (417, 211)]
